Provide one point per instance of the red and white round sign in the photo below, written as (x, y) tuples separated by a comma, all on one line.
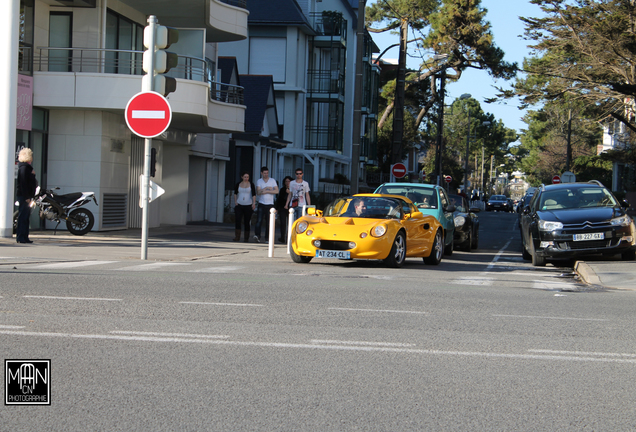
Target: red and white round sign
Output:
[(398, 170), (556, 179), (148, 114), (448, 179)]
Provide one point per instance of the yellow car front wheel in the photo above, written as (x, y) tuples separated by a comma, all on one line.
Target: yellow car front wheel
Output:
[(398, 252), (299, 258)]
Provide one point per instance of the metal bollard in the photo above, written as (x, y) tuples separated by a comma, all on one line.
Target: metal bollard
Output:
[(289, 229), (272, 232)]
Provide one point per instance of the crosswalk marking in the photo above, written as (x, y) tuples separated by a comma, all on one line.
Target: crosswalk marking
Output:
[(221, 269), (72, 264), (152, 266)]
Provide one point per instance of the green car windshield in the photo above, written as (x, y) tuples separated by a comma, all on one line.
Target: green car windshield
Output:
[(421, 197)]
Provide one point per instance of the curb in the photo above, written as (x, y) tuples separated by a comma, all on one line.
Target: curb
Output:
[(587, 274)]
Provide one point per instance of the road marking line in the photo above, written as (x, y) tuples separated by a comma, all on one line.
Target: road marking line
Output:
[(377, 310), (151, 266), (72, 264), (148, 114), (11, 327), (554, 286), (327, 347), (496, 258), (223, 269), (186, 335), (222, 304), (71, 298), (582, 353), (468, 280), (362, 343), (554, 318)]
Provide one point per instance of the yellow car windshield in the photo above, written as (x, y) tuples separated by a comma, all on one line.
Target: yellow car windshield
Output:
[(365, 207)]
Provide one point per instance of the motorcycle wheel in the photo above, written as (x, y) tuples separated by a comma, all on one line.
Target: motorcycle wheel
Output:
[(86, 219)]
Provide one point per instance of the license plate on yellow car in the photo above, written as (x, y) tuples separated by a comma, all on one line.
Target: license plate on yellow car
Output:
[(333, 254)]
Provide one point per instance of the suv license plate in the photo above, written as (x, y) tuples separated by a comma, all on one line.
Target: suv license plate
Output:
[(333, 254), (590, 236)]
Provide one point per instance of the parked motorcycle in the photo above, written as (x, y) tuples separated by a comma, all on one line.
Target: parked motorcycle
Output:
[(68, 207)]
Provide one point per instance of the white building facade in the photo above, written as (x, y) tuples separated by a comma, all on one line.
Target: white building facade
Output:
[(81, 62)]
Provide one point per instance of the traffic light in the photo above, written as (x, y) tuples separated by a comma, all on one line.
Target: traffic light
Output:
[(157, 61)]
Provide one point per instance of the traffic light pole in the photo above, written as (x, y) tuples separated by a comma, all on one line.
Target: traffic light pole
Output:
[(145, 183)]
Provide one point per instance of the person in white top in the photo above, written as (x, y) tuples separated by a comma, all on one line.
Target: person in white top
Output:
[(266, 190), (244, 204), (298, 194)]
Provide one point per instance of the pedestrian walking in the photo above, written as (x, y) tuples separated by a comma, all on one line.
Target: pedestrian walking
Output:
[(283, 212), (244, 205), (299, 194), (266, 190), (25, 192)]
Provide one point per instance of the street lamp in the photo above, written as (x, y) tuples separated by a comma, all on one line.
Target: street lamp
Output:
[(463, 97)]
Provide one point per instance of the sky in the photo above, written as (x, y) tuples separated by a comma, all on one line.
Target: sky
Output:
[(507, 29)]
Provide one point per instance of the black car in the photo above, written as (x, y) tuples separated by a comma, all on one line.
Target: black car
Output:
[(466, 235), (499, 203), (572, 220)]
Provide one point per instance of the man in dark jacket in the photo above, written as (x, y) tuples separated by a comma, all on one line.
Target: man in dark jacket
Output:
[(24, 193)]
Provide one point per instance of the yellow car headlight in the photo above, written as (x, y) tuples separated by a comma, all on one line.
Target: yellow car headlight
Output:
[(301, 227), (378, 231)]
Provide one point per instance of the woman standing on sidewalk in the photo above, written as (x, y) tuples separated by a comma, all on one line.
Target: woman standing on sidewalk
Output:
[(244, 205)]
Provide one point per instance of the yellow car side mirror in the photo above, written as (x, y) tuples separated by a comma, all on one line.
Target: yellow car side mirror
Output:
[(311, 211)]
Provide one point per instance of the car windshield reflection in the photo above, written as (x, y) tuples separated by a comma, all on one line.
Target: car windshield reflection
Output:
[(576, 199), (365, 207)]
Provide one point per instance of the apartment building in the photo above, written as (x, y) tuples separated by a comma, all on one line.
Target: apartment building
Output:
[(80, 62), (308, 47)]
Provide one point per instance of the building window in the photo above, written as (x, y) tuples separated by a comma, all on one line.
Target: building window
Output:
[(60, 36), (122, 36)]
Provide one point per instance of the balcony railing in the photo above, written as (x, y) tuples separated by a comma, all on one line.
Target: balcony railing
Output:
[(324, 138), (130, 62), (321, 81), (329, 23)]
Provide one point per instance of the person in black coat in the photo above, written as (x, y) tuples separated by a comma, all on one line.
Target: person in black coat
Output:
[(283, 213), (25, 192)]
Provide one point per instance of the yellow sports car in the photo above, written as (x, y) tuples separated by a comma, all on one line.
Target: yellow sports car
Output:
[(368, 226)]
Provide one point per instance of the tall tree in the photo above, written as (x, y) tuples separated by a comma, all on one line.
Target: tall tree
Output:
[(584, 48), (456, 28)]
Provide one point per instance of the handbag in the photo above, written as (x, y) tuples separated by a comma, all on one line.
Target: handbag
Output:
[(294, 202)]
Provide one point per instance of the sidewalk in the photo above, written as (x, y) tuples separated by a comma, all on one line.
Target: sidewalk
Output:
[(201, 241), (166, 243), (608, 274)]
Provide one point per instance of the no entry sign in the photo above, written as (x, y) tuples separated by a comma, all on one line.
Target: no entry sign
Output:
[(556, 179), (148, 114), (398, 170)]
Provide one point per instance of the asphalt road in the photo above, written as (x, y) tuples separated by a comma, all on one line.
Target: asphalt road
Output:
[(482, 342)]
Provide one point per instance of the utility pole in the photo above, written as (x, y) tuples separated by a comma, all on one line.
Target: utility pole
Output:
[(8, 112), (568, 151), (357, 103), (440, 128), (398, 109)]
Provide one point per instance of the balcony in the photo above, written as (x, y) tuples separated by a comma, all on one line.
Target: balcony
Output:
[(324, 138), (330, 28), (325, 83), (90, 78), (224, 20)]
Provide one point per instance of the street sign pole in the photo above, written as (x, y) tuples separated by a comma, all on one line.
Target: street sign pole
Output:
[(145, 186)]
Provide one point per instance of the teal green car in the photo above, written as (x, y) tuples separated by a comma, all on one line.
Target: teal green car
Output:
[(430, 200)]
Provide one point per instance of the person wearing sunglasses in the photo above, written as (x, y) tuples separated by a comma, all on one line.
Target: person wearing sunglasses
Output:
[(298, 194)]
